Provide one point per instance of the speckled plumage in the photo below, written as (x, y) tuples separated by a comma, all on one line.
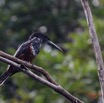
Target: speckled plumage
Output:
[(27, 52)]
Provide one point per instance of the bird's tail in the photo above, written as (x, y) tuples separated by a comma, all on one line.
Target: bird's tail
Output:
[(4, 76)]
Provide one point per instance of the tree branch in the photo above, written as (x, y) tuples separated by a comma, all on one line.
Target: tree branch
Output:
[(31, 66), (95, 42), (14, 61)]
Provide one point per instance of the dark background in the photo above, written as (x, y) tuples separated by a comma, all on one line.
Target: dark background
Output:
[(75, 69)]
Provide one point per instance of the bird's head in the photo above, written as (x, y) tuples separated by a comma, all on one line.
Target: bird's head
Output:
[(44, 39)]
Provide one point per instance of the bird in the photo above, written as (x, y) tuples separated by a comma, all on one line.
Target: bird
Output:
[(28, 51)]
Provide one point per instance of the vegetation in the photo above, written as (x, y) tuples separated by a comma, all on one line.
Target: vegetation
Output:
[(75, 69)]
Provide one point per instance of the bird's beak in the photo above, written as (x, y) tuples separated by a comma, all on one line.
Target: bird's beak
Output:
[(53, 45)]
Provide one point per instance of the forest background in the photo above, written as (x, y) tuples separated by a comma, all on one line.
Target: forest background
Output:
[(75, 69)]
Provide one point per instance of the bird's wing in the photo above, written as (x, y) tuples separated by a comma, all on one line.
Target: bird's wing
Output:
[(22, 49)]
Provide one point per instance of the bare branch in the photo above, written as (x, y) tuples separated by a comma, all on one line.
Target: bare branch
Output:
[(95, 43), (57, 88), (34, 67)]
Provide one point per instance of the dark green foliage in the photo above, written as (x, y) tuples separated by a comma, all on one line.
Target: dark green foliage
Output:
[(75, 69)]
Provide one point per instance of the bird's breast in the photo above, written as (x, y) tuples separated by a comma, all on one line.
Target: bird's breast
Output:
[(27, 55)]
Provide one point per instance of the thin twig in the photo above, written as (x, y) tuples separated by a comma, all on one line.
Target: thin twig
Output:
[(57, 88), (95, 42)]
